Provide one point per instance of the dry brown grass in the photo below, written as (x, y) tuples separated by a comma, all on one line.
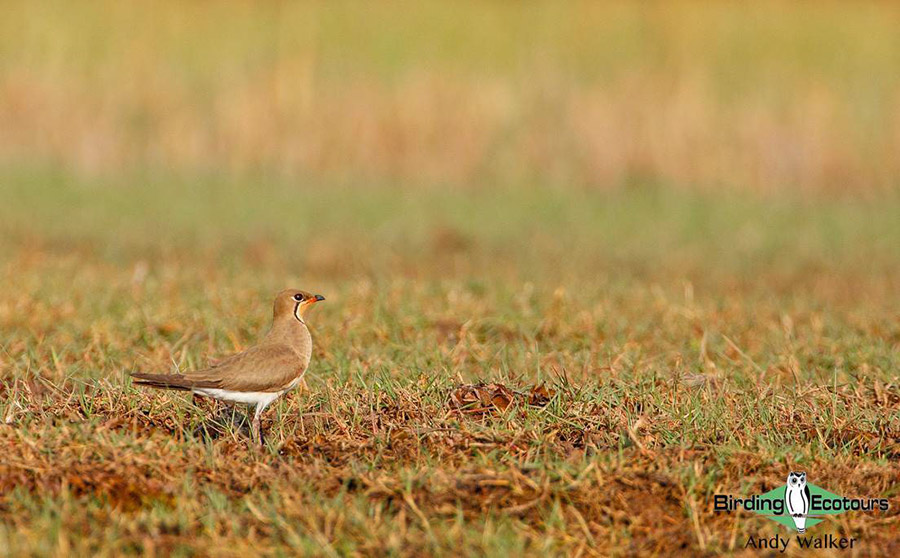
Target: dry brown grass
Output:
[(659, 396), (408, 477)]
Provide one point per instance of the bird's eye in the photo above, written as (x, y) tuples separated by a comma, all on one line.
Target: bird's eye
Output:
[(298, 297)]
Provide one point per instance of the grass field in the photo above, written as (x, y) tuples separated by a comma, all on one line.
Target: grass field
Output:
[(698, 266), (693, 345)]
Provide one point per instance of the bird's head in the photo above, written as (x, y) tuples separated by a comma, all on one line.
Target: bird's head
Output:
[(293, 304)]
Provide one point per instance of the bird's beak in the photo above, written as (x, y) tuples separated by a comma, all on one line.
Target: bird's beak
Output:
[(319, 298)]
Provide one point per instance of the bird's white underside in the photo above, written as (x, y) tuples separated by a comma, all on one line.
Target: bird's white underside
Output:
[(261, 399), (251, 397)]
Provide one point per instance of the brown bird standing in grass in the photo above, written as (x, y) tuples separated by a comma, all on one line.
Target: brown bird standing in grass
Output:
[(260, 374)]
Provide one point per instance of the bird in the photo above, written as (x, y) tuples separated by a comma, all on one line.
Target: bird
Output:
[(260, 374), (796, 496)]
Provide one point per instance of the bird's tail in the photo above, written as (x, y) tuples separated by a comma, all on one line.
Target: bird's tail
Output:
[(162, 381)]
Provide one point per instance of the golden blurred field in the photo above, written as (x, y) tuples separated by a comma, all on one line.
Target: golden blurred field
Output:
[(679, 218), (765, 97)]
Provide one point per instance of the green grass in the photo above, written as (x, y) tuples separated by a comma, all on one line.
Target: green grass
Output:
[(696, 344)]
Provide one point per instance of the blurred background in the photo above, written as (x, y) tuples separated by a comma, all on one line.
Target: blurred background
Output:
[(453, 139), (774, 97)]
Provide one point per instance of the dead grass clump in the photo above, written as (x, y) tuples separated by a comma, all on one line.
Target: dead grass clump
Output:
[(487, 398)]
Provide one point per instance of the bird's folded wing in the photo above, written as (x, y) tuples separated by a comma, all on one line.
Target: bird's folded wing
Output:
[(269, 367)]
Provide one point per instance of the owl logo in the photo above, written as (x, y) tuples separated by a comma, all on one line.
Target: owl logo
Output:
[(796, 499)]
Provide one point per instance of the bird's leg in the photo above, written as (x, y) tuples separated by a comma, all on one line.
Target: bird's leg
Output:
[(255, 428)]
